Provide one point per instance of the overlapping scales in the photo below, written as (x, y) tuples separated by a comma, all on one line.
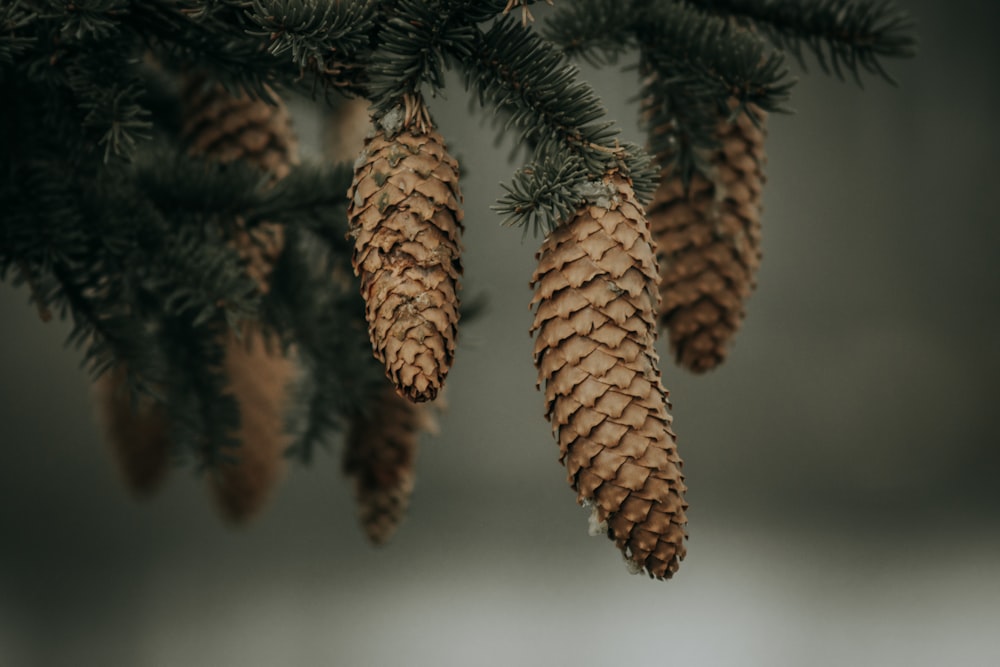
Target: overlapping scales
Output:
[(708, 245), (405, 215), (595, 325)]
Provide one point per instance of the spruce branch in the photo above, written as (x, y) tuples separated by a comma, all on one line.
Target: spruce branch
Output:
[(90, 19), (597, 31), (845, 36), (14, 20), (203, 416), (692, 62), (412, 46), (311, 198), (723, 61), (313, 303), (542, 193), (529, 79), (317, 34)]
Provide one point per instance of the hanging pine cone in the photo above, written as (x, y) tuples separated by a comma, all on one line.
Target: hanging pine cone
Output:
[(136, 434), (708, 245), (405, 216), (381, 446), (226, 127), (595, 290)]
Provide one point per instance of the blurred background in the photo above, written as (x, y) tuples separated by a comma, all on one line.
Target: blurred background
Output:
[(843, 464)]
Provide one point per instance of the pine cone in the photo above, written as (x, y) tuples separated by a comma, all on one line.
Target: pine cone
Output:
[(708, 245), (136, 434), (595, 288), (259, 379), (381, 447), (405, 216), (226, 127)]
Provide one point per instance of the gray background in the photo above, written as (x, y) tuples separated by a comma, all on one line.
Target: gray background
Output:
[(842, 463)]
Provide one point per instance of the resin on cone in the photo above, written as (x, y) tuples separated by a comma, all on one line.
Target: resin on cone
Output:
[(226, 127), (708, 245), (405, 216), (596, 297), (381, 449)]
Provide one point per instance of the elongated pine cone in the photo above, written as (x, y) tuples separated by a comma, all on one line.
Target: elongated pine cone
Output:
[(595, 290), (708, 245), (227, 127), (381, 448), (405, 215), (136, 434)]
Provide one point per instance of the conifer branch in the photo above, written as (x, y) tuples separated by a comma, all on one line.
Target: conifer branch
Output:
[(325, 319), (318, 35), (845, 36), (412, 46), (14, 17), (597, 31), (526, 77)]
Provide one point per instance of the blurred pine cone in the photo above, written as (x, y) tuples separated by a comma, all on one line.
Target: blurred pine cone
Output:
[(595, 290), (381, 448), (708, 244), (226, 127), (136, 434), (405, 215)]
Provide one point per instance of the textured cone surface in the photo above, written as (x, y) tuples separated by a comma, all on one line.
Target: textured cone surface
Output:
[(405, 215), (226, 127), (381, 447), (708, 246), (136, 434), (595, 290)]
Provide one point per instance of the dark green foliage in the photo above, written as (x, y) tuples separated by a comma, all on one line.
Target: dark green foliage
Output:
[(698, 55), (845, 36), (106, 221)]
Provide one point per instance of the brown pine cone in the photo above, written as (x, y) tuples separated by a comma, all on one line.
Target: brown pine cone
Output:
[(405, 216), (708, 245), (137, 434), (259, 379), (227, 127), (595, 290), (381, 447)]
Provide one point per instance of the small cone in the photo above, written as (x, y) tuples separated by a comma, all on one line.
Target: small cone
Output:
[(708, 245), (136, 434), (405, 215), (595, 290), (381, 448), (227, 127)]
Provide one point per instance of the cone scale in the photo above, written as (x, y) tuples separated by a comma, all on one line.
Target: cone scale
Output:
[(595, 324)]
